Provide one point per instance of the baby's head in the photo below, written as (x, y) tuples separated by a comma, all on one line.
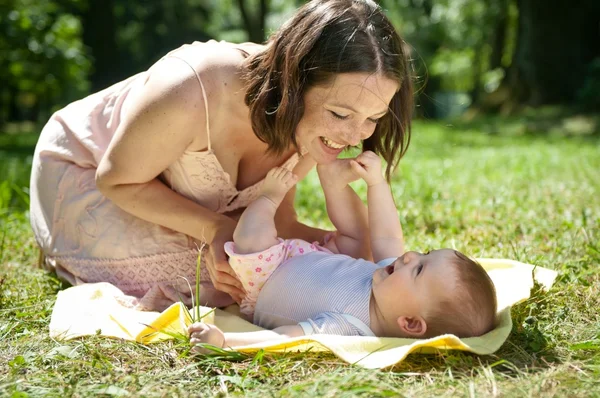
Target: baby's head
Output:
[(426, 295)]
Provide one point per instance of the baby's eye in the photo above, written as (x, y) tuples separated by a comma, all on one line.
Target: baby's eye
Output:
[(338, 116), (419, 269)]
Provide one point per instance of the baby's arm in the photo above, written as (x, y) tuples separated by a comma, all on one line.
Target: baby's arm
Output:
[(209, 334), (384, 225), (345, 209)]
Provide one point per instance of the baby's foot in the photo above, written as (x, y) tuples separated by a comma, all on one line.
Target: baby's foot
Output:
[(277, 184), (336, 174)]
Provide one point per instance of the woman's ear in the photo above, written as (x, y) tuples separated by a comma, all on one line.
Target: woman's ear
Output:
[(412, 326)]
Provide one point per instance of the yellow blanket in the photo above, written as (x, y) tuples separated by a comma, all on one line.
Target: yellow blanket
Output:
[(102, 309)]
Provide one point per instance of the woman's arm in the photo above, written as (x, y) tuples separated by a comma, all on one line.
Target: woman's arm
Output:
[(162, 122), (165, 118)]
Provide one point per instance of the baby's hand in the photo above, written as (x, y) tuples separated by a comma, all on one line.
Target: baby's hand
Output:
[(367, 165), (206, 334)]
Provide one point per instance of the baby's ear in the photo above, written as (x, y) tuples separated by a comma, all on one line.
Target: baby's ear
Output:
[(412, 326)]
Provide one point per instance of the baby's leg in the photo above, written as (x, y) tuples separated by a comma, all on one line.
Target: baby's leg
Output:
[(256, 230)]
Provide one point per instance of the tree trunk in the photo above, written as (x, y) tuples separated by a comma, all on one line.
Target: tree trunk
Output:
[(477, 74), (99, 30), (255, 23), (557, 40), (499, 35)]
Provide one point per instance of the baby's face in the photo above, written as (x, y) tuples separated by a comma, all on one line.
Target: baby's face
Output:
[(414, 282)]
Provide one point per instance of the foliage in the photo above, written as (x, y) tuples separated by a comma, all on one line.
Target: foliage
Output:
[(589, 95), (148, 30), (47, 59), (228, 23), (43, 60), (451, 38)]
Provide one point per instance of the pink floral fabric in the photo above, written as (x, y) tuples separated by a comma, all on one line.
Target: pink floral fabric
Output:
[(254, 269)]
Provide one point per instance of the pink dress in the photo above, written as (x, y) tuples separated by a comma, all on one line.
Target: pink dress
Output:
[(86, 238)]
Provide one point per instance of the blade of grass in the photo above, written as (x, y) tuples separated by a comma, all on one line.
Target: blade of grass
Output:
[(187, 311), (175, 335), (222, 353), (198, 269)]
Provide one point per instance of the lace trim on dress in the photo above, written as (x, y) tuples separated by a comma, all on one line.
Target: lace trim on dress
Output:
[(138, 272)]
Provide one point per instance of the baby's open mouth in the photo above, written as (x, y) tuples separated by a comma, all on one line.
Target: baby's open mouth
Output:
[(331, 144), (390, 269)]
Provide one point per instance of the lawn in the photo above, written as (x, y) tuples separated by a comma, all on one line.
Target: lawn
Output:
[(497, 190)]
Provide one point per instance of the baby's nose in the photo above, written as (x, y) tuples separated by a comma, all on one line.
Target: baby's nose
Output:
[(410, 256)]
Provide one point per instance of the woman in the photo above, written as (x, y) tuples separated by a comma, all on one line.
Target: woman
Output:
[(129, 182)]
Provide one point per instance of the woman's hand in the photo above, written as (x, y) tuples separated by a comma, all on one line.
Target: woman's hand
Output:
[(203, 333), (222, 275)]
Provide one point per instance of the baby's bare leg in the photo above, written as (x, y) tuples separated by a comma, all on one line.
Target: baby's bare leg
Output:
[(256, 229)]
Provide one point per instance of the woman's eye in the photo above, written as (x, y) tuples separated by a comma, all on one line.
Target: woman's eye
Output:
[(374, 120), (338, 116), (419, 269)]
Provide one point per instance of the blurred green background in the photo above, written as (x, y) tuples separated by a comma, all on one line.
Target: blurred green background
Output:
[(490, 56)]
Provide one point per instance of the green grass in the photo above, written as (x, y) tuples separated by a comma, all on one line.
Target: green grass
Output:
[(505, 194)]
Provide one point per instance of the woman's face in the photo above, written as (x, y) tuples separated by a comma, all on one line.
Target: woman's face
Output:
[(342, 113)]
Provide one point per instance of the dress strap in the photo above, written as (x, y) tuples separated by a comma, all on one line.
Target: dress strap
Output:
[(203, 94)]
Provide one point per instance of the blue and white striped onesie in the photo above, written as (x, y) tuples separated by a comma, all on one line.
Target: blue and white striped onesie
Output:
[(318, 291)]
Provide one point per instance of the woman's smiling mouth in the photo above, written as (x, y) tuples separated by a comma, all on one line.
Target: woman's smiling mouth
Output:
[(331, 144)]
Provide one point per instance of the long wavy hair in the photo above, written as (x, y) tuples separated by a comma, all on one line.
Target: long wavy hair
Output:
[(325, 38)]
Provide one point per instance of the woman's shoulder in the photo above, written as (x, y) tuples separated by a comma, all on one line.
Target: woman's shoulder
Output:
[(217, 64), (213, 67), (215, 57)]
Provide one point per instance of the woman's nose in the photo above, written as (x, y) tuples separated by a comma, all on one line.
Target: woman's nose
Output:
[(356, 133), (352, 137)]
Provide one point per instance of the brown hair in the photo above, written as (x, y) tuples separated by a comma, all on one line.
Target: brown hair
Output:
[(324, 38), (471, 311)]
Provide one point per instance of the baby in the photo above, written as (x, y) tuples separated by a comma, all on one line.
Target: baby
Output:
[(299, 288)]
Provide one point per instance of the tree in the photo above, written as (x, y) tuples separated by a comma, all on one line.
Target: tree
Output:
[(42, 58), (99, 36), (451, 43), (557, 41), (125, 37), (254, 23)]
